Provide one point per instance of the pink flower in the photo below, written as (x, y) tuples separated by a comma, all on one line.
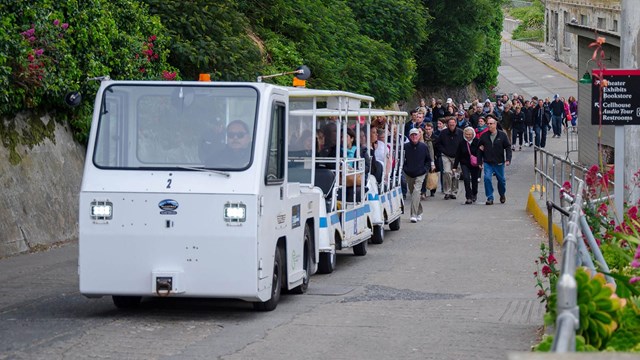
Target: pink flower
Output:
[(635, 264), (634, 280), (39, 52), (168, 75), (65, 26), (56, 22), (32, 39)]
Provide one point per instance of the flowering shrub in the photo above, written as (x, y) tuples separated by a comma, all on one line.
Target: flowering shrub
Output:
[(546, 275), (605, 321), (51, 49)]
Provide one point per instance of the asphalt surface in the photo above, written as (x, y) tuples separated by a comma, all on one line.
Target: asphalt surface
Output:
[(457, 285)]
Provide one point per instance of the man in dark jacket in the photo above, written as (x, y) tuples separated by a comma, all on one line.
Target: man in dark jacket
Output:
[(416, 163), (557, 113), (447, 144), (541, 119), (495, 153)]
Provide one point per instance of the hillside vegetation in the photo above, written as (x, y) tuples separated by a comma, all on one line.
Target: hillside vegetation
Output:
[(383, 48)]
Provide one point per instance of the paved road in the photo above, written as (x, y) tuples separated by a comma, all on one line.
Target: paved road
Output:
[(458, 285)]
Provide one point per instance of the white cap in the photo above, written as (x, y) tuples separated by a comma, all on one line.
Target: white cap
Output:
[(449, 101), (414, 131)]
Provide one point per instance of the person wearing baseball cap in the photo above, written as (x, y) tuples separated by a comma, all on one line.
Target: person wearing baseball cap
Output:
[(416, 162), (461, 120)]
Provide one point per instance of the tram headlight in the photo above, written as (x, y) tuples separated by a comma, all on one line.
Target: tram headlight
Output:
[(235, 212), (101, 210)]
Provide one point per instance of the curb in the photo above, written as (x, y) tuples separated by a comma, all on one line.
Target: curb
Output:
[(542, 219), (570, 77)]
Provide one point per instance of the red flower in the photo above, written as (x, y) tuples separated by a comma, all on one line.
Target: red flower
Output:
[(168, 75), (603, 209), (546, 270), (152, 38), (541, 293), (633, 212), (552, 259)]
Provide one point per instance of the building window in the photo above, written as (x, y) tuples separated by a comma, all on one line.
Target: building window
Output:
[(602, 23), (584, 20), (614, 27)]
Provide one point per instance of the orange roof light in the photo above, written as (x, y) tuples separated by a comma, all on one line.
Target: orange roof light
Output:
[(204, 77), (299, 83)]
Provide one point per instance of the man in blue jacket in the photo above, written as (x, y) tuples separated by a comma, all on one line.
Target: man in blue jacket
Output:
[(416, 163), (495, 153)]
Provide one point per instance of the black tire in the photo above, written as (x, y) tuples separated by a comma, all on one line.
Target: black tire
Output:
[(276, 285), (395, 224), (126, 302), (306, 263), (360, 249), (378, 234), (327, 263)]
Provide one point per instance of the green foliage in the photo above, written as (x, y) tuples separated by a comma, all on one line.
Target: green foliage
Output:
[(463, 44), (337, 47), (599, 308), (627, 338), (532, 21), (547, 342), (489, 55), (51, 47), (48, 48), (209, 38)]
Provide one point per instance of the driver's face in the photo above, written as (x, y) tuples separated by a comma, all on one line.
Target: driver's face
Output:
[(237, 137)]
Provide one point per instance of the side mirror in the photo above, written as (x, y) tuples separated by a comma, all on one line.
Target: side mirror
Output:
[(73, 99), (303, 72)]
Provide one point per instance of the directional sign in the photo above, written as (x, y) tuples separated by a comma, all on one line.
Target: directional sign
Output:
[(620, 98)]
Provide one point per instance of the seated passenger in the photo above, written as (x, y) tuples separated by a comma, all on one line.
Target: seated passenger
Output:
[(236, 153)]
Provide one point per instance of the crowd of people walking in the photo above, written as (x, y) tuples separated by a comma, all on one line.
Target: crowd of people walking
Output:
[(463, 141)]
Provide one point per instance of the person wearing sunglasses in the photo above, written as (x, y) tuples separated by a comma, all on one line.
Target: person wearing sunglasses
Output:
[(237, 150)]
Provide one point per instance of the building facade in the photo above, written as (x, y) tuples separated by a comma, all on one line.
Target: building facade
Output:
[(570, 26)]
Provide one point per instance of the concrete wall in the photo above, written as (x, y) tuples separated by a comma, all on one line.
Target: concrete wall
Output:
[(585, 12), (39, 198)]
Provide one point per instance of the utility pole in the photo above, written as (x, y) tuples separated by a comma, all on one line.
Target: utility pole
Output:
[(629, 54)]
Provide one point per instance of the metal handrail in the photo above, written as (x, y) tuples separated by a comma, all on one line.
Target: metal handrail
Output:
[(568, 319), (552, 171)]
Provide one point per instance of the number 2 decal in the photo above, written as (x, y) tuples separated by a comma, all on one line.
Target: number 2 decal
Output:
[(168, 183)]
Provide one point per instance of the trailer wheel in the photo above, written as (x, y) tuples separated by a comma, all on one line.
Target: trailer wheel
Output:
[(276, 285), (306, 263), (327, 262), (126, 302), (378, 234), (360, 249), (395, 224)]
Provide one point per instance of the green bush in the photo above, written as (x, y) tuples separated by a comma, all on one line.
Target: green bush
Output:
[(532, 21), (50, 48)]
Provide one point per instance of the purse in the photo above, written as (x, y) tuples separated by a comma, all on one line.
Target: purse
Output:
[(473, 158)]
